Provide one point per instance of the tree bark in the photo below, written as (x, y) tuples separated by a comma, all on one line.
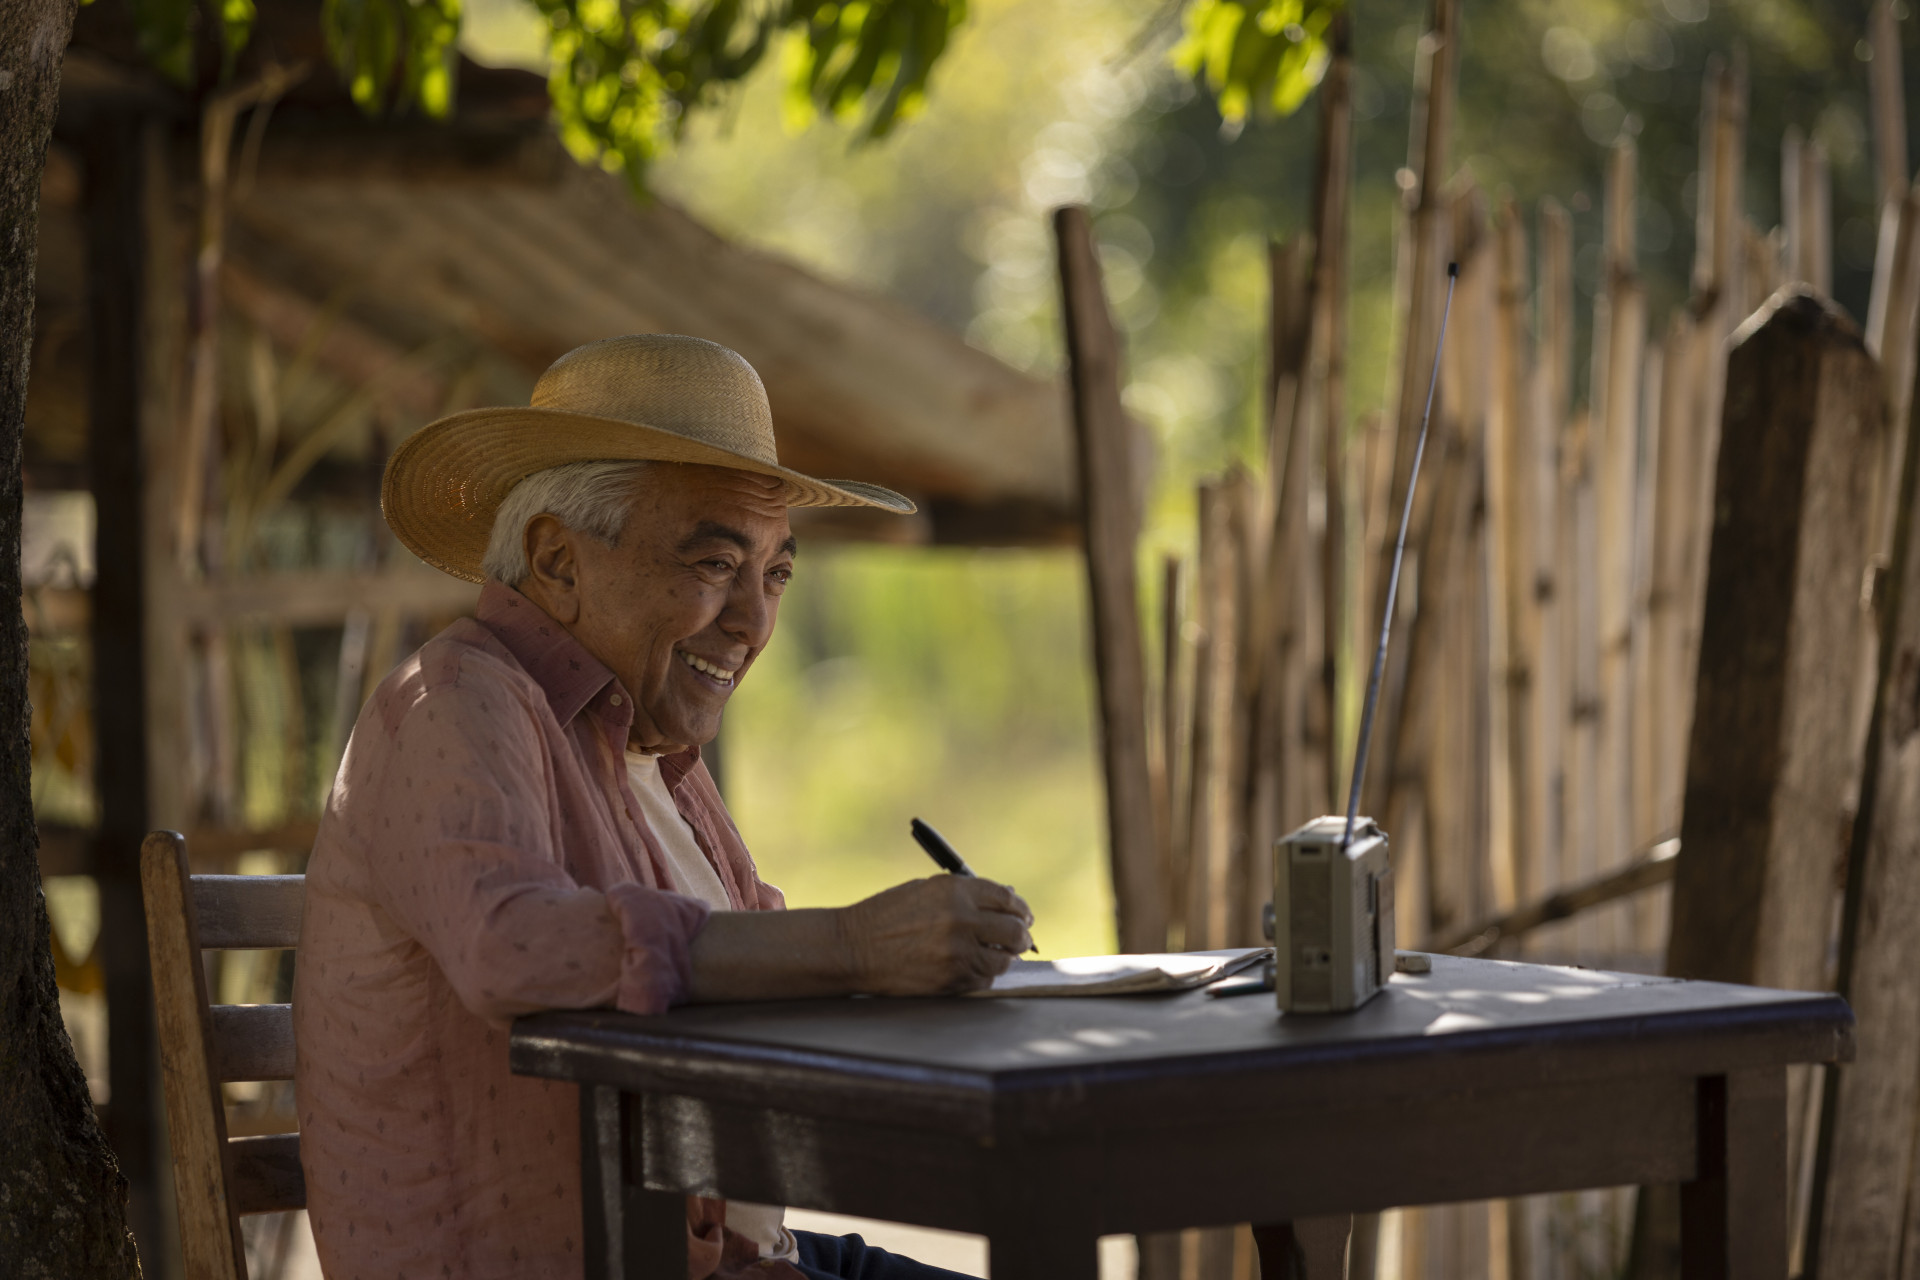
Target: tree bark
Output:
[(62, 1197)]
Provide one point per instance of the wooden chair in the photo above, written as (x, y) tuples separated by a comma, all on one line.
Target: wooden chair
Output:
[(202, 1045)]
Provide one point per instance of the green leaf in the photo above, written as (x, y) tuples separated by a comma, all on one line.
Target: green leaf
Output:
[(1250, 51)]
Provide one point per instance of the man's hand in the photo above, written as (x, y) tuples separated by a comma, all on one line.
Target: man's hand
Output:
[(940, 936)]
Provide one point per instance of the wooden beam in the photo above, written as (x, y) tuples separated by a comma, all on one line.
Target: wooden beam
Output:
[(456, 153), (1767, 772), (1110, 493), (70, 851), (296, 598)]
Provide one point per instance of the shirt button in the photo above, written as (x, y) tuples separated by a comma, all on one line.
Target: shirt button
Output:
[(617, 699)]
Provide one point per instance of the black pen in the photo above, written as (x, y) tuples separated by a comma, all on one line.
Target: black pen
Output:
[(939, 850), (944, 855)]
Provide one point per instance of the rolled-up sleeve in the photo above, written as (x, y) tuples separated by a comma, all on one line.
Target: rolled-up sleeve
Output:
[(465, 862)]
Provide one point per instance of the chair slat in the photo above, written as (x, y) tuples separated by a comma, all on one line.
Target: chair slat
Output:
[(266, 1174), (196, 1121), (249, 912), (252, 1042)]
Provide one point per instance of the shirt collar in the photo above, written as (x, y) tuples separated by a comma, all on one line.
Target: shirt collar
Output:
[(570, 676)]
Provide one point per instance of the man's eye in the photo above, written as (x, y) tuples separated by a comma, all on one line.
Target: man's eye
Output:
[(781, 576)]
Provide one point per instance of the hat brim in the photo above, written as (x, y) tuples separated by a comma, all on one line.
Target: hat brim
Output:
[(445, 482)]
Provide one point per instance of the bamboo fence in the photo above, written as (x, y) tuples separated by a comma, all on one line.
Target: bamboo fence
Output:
[(1531, 756)]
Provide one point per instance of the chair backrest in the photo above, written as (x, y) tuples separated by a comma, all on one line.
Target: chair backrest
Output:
[(202, 1045)]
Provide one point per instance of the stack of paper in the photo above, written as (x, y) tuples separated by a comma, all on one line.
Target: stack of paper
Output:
[(1122, 975)]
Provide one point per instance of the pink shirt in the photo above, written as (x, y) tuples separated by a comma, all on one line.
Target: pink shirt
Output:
[(482, 856)]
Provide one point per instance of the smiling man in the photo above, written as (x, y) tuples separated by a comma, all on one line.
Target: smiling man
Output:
[(522, 822)]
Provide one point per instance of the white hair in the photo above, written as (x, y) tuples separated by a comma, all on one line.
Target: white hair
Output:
[(588, 497)]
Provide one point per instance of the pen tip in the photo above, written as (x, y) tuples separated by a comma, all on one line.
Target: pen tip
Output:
[(1453, 270)]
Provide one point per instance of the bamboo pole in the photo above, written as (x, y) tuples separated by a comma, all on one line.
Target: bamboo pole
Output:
[(1794, 259), (1648, 914), (1175, 661), (1465, 859), (1276, 554), (1430, 769), (1333, 180), (1553, 377), (1511, 519), (1816, 200), (1619, 353), (1580, 629), (1889, 102), (1210, 811), (1427, 235), (1674, 519), (1110, 512), (1249, 879), (1714, 306)]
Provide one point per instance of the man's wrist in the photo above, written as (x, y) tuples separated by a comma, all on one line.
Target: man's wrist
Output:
[(848, 970)]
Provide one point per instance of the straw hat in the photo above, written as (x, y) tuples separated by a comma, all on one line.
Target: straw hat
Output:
[(647, 397)]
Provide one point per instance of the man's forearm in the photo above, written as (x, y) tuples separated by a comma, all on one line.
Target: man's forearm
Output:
[(771, 955)]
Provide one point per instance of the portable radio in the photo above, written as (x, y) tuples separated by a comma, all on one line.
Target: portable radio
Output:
[(1332, 922)]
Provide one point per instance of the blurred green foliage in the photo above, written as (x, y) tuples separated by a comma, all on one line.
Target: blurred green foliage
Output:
[(1276, 51), (393, 53), (625, 74), (941, 684)]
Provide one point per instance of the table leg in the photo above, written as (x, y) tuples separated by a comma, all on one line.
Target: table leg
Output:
[(1310, 1249), (627, 1231), (1733, 1215)]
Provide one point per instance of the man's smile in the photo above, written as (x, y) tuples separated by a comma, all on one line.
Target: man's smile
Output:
[(715, 674)]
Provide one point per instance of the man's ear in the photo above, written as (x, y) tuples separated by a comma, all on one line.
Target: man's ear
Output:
[(554, 583)]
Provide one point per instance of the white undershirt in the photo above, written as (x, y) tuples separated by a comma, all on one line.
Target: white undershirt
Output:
[(694, 876)]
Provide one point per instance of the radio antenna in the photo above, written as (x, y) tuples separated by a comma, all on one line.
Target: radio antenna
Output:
[(1393, 579)]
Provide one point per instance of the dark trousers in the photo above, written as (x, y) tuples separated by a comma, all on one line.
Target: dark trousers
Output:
[(851, 1258)]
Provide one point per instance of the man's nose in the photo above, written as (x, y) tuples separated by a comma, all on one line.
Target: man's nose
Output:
[(749, 614)]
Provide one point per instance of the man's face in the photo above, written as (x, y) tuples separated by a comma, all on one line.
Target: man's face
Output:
[(684, 604)]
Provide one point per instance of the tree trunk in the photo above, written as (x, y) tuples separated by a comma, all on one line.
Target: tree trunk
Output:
[(62, 1198)]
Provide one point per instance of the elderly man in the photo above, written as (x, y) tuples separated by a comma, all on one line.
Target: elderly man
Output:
[(522, 821)]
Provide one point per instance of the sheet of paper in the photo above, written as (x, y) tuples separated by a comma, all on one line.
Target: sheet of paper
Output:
[(1121, 975)]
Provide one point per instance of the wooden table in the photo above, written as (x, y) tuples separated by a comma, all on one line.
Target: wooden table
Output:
[(1044, 1124)]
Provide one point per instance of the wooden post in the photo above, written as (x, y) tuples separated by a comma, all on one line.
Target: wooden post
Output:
[(1897, 291), (124, 167), (1110, 516), (1864, 1197), (1760, 837)]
